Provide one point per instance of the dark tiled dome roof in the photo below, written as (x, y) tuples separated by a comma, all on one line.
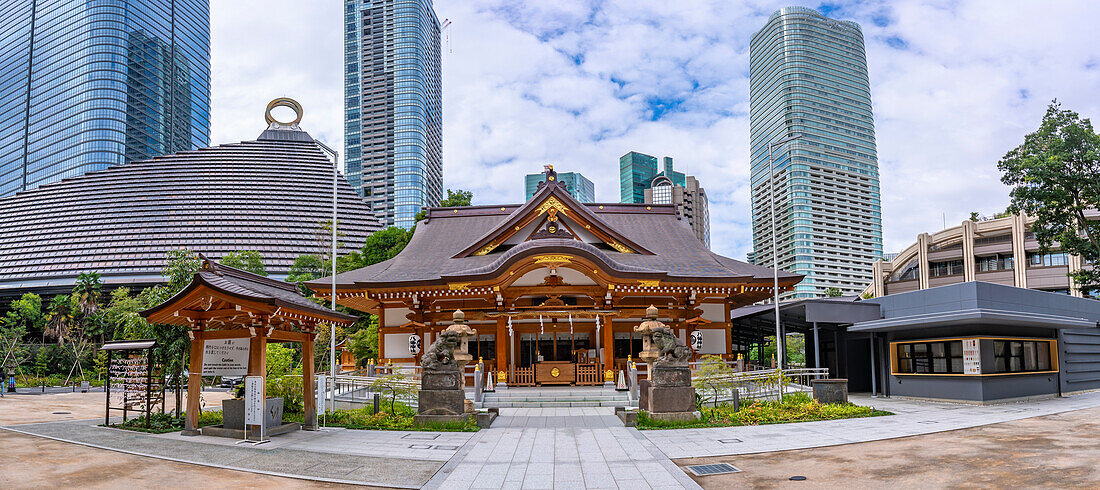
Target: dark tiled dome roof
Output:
[(268, 195)]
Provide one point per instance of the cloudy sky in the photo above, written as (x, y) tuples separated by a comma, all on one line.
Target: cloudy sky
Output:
[(955, 85)]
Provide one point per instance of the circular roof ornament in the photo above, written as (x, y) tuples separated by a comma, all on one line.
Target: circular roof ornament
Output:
[(284, 102)]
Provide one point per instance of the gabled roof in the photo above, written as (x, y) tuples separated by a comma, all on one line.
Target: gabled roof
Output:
[(661, 246), (248, 286)]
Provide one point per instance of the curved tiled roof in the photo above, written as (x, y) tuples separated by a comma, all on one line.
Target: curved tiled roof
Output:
[(435, 253), (267, 195)]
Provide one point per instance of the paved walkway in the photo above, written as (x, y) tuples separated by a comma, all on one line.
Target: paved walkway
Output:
[(382, 458), (548, 450), (911, 418)]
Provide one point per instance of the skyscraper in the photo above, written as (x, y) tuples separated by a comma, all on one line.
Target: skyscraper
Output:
[(85, 85), (393, 106), (578, 186), (636, 173), (691, 203), (808, 77)]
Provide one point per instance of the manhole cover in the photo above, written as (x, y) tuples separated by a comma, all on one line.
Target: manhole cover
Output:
[(712, 469), (420, 446), (62, 413), (797, 478)]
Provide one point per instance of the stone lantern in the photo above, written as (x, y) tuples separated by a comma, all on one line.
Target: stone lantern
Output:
[(649, 351), (462, 353)]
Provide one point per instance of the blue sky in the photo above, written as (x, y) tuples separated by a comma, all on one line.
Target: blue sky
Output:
[(955, 85)]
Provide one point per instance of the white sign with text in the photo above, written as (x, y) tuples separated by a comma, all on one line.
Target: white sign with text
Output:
[(972, 357), (253, 400), (225, 357)]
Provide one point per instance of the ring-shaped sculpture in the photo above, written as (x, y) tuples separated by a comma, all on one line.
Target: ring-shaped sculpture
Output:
[(284, 102)]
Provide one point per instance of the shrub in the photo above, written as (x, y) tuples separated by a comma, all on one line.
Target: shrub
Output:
[(399, 418), (289, 388), (796, 407)]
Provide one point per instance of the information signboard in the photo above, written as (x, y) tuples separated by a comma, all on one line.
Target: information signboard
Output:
[(226, 357), (253, 400), (322, 388), (972, 357)]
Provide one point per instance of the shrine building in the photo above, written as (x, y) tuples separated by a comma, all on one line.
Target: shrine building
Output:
[(554, 287)]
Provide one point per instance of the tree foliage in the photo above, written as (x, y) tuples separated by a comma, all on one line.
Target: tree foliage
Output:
[(712, 378), (833, 293), (1055, 178), (246, 260), (363, 344)]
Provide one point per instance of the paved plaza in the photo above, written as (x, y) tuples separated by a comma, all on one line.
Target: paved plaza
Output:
[(584, 447)]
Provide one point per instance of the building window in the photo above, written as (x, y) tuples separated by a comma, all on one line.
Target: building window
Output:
[(1047, 260), (662, 194), (930, 357), (1021, 356), (950, 268), (995, 263)]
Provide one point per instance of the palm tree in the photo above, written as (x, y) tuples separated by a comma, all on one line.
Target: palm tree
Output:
[(60, 319), (87, 291)]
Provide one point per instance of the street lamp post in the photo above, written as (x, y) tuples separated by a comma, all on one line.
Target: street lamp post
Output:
[(780, 341), (332, 328)]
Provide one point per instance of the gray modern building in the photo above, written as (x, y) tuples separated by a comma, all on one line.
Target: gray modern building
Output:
[(808, 77), (393, 106), (690, 200), (576, 184), (973, 341), (86, 85), (270, 195)]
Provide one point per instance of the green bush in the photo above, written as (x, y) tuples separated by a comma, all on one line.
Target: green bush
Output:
[(796, 407), (289, 388), (160, 423), (400, 418)]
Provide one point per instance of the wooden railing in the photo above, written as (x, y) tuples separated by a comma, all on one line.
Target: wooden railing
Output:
[(588, 374), (524, 376)]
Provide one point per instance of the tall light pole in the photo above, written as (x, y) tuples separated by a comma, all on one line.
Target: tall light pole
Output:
[(780, 341), (332, 328)]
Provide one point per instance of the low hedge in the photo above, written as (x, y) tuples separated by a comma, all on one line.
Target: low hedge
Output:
[(796, 407), (160, 423), (401, 418)]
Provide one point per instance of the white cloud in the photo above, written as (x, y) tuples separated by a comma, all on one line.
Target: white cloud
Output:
[(575, 84)]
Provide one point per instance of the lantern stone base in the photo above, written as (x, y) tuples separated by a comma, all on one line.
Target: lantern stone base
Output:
[(670, 399)]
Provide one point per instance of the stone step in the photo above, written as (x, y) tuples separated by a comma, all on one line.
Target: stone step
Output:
[(552, 398), (557, 404)]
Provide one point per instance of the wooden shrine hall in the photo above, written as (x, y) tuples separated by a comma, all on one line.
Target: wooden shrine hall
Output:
[(222, 303), (554, 287)]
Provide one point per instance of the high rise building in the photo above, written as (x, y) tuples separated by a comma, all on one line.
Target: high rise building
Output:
[(808, 77), (85, 85), (576, 184), (690, 200), (393, 106), (636, 173)]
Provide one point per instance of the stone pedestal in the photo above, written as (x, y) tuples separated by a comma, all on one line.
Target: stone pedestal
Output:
[(670, 396), (643, 394), (441, 394), (670, 376), (830, 390), (671, 399)]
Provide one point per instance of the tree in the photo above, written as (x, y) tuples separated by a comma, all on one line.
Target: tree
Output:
[(25, 314), (1055, 177), (394, 385), (86, 292), (974, 216), (384, 244), (246, 260), (454, 199), (714, 376), (280, 360), (833, 293), (363, 344), (60, 318), (181, 267)]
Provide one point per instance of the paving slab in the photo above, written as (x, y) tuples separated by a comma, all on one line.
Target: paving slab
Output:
[(382, 458)]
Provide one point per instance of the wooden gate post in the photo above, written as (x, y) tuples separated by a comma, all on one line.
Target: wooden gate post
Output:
[(194, 383)]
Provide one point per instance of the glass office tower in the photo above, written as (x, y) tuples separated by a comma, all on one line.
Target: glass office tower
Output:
[(578, 185), (393, 106), (808, 76), (636, 173), (87, 84)]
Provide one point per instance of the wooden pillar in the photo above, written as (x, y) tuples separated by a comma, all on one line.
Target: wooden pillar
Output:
[(194, 382), (309, 394), (382, 334), (608, 344), (502, 343)]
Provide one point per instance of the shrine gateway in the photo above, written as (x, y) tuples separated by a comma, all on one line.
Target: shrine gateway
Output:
[(554, 287)]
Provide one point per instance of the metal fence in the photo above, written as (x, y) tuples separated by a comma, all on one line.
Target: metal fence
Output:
[(759, 384)]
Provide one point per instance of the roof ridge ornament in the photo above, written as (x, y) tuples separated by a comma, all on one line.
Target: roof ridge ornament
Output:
[(287, 102)]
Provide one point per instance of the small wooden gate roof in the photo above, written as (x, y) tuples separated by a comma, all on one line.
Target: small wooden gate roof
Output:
[(224, 297)]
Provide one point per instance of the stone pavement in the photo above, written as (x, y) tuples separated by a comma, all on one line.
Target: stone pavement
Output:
[(911, 418), (382, 458), (549, 450)]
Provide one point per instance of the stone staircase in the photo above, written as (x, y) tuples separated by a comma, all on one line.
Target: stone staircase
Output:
[(557, 396)]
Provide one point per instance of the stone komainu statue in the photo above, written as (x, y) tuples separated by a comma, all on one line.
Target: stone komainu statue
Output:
[(440, 356), (672, 353)]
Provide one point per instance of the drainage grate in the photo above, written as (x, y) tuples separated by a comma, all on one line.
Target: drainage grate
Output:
[(420, 446), (729, 441), (426, 437), (62, 413), (712, 469)]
